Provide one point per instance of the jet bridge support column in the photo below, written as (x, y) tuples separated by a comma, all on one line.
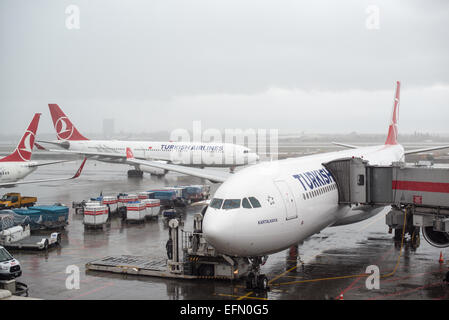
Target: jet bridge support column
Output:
[(173, 247)]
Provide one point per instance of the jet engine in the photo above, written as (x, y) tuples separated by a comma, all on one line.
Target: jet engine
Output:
[(153, 171), (437, 239)]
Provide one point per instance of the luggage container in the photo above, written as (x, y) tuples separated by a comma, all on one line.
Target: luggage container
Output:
[(181, 196), (148, 208), (135, 211), (205, 190), (193, 193), (143, 195), (169, 214), (111, 202), (166, 197), (91, 203), (95, 216), (46, 217), (126, 198), (153, 207)]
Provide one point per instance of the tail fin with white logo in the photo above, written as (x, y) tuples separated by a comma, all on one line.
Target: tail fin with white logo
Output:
[(65, 130), (24, 149), (393, 128)]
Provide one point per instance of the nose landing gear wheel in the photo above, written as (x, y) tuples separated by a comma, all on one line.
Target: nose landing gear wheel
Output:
[(262, 282), (251, 281), (255, 280)]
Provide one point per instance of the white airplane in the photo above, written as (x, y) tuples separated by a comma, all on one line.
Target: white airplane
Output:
[(194, 154), (17, 165), (272, 206)]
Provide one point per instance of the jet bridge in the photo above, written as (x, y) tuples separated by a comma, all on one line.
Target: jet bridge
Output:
[(418, 195)]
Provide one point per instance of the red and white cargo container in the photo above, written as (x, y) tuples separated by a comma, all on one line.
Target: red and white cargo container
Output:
[(143, 195), (128, 198), (153, 207), (111, 202), (95, 216), (135, 211)]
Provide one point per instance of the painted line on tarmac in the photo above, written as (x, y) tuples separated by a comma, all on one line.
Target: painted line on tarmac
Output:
[(240, 297), (400, 293), (350, 287), (107, 285)]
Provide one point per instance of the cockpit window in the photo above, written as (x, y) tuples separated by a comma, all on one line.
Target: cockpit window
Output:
[(245, 151), (245, 204), (254, 202), (231, 204), (216, 203)]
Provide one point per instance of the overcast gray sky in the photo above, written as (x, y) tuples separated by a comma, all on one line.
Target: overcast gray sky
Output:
[(161, 64)]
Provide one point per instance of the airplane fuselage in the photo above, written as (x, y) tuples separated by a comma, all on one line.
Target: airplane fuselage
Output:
[(15, 171), (182, 153), (298, 197)]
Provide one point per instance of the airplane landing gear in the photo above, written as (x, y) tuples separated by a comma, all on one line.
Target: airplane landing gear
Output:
[(255, 280)]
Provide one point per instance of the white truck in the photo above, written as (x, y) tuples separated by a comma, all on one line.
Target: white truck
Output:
[(9, 267)]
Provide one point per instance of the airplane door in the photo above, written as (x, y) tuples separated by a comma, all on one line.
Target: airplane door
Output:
[(288, 198)]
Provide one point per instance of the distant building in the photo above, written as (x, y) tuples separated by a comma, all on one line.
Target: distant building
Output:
[(108, 128)]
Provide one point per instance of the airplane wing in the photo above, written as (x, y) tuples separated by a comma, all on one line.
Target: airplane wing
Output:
[(425, 150), (77, 174), (350, 146), (48, 163), (212, 175)]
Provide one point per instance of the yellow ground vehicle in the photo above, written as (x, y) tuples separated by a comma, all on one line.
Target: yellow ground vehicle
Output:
[(15, 200)]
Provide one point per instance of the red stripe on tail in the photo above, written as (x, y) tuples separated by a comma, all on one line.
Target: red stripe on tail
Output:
[(24, 149), (65, 130), (393, 128)]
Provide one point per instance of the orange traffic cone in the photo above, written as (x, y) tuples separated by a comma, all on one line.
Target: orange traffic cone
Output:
[(341, 297), (441, 257)]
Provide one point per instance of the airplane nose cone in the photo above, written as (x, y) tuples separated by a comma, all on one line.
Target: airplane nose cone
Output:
[(253, 157), (218, 230)]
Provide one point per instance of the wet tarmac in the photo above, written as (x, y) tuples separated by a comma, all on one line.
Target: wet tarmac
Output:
[(323, 267)]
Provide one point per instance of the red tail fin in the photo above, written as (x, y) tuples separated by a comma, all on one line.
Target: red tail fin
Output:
[(24, 149), (393, 128), (65, 130)]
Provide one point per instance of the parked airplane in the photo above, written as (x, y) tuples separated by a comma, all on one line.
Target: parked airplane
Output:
[(195, 154), (17, 165), (271, 206)]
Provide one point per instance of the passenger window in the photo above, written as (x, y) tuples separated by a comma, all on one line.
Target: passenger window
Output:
[(231, 204), (254, 202), (216, 203), (245, 204)]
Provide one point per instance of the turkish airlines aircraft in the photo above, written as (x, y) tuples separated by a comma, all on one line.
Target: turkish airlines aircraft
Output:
[(271, 206), (17, 165), (182, 153)]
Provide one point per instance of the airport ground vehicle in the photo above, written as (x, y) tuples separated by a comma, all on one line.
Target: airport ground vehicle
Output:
[(9, 266), (15, 200)]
